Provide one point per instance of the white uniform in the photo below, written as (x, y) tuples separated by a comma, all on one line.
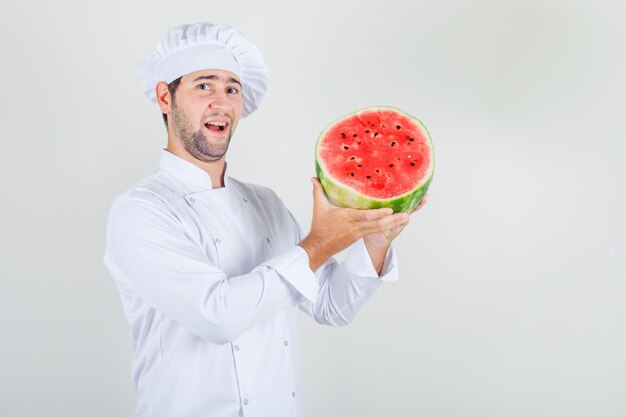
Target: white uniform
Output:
[(210, 280)]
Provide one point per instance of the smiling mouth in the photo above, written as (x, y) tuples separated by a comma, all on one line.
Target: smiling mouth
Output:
[(217, 127)]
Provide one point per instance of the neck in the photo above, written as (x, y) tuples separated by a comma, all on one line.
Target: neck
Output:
[(215, 169)]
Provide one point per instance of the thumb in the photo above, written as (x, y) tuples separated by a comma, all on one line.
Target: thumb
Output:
[(319, 198)]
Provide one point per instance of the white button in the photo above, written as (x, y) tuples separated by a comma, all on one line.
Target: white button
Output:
[(245, 200), (236, 348), (245, 401), (293, 394), (268, 239), (218, 240), (191, 200), (286, 343)]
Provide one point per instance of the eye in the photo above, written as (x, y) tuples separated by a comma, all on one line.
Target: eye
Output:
[(232, 90), (204, 87)]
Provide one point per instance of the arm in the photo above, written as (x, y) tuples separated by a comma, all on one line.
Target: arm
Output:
[(149, 252), (345, 287), (378, 244), (334, 229)]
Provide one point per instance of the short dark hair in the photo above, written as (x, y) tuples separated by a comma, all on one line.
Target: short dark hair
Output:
[(171, 87)]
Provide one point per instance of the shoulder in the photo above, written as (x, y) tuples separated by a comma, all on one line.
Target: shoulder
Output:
[(150, 198)]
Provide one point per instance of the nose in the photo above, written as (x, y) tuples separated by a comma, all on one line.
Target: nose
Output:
[(218, 100)]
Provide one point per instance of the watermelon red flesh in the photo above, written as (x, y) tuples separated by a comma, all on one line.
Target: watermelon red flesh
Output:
[(376, 157)]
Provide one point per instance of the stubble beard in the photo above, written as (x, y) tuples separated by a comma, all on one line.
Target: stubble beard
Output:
[(195, 141)]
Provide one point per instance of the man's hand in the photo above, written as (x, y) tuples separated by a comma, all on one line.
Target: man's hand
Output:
[(378, 243), (335, 228)]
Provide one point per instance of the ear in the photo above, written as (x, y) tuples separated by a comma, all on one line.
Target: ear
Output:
[(163, 97)]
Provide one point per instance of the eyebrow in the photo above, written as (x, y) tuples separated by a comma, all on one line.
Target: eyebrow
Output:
[(217, 77)]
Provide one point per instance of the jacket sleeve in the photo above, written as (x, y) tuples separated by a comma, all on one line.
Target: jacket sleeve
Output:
[(148, 251)]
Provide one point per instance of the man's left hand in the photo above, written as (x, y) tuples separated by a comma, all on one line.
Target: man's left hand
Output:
[(377, 244)]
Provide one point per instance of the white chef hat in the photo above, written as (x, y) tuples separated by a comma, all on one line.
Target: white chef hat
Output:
[(187, 48)]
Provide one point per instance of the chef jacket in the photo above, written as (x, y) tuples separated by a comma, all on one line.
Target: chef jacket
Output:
[(210, 281)]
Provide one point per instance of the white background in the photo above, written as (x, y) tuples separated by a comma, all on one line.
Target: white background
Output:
[(511, 299)]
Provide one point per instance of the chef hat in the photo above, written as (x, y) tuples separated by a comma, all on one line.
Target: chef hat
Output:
[(199, 46)]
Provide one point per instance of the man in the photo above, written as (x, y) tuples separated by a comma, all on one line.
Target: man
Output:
[(210, 270)]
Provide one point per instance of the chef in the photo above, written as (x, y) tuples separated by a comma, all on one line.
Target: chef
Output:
[(212, 271)]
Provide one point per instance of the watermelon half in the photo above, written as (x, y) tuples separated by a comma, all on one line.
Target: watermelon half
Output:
[(375, 157)]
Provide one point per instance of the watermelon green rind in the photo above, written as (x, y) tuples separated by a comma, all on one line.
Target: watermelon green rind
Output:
[(347, 197)]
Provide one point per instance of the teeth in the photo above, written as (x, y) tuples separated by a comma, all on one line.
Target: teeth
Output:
[(217, 123)]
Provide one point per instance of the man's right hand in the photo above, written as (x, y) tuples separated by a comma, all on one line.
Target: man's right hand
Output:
[(335, 228)]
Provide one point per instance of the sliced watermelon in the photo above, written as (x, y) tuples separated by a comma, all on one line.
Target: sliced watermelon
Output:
[(375, 157)]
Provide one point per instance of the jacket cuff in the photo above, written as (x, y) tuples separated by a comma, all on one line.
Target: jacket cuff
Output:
[(293, 267), (359, 263)]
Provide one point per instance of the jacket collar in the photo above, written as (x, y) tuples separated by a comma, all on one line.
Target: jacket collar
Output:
[(194, 177)]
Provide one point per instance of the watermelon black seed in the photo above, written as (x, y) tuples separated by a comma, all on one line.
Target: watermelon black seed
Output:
[(398, 127), (368, 177), (390, 165), (412, 164), (378, 170), (411, 139), (375, 134), (352, 158), (343, 135), (359, 166), (358, 143), (367, 131), (354, 135), (393, 143), (352, 173), (346, 147)]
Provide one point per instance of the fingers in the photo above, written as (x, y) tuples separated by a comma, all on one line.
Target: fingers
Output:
[(355, 222), (398, 220), (371, 214), (395, 220), (320, 200)]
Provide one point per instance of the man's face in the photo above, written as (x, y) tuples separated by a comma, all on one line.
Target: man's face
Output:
[(205, 110)]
